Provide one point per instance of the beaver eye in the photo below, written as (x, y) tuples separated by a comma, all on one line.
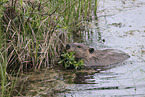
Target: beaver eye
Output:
[(79, 46), (91, 50), (67, 46)]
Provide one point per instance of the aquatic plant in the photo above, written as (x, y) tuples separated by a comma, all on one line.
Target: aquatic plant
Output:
[(69, 62)]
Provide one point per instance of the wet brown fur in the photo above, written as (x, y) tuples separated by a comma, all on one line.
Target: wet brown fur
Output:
[(94, 57)]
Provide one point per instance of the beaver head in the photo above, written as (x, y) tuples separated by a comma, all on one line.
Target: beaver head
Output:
[(81, 51), (94, 57)]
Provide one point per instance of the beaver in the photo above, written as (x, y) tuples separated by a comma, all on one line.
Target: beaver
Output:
[(92, 57)]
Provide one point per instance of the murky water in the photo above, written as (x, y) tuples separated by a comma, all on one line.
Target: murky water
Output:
[(121, 25)]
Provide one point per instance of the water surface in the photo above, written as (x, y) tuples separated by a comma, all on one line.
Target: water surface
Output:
[(121, 25)]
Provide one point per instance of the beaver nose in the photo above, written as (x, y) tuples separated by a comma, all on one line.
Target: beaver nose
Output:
[(67, 46)]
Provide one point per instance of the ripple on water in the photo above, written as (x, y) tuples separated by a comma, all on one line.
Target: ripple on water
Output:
[(123, 28)]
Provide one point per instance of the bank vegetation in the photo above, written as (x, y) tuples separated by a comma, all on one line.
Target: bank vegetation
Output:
[(33, 34)]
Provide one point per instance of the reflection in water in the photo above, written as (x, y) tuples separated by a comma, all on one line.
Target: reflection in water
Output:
[(85, 34), (122, 27), (82, 78)]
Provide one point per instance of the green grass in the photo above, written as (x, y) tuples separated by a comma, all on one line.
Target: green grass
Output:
[(33, 33)]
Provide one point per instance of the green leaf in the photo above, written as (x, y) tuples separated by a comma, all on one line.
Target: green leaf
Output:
[(69, 60), (21, 2)]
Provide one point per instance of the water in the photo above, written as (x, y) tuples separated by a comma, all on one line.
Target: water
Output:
[(122, 26)]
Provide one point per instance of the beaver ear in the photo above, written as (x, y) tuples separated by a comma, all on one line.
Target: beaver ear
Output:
[(91, 50), (67, 46)]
